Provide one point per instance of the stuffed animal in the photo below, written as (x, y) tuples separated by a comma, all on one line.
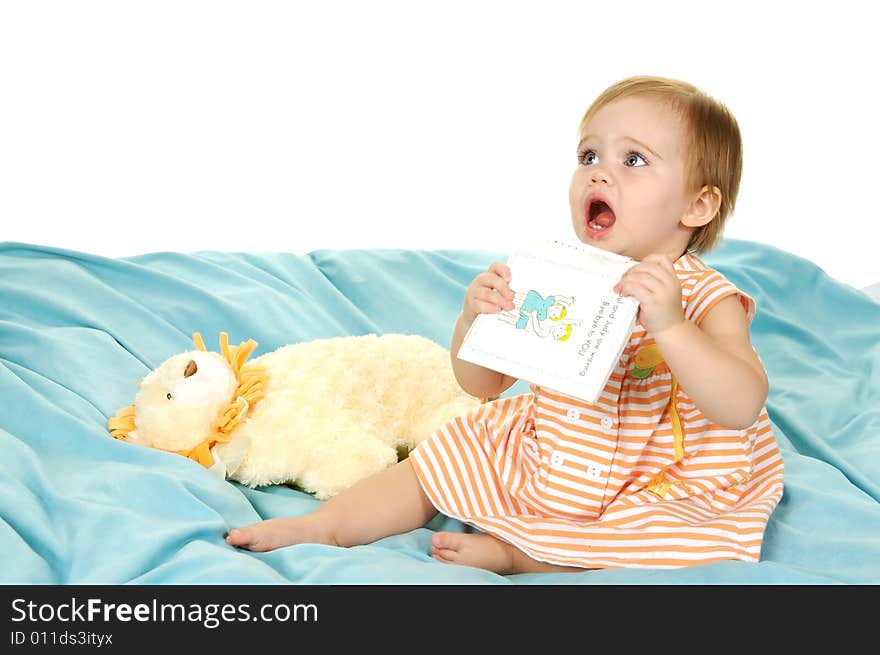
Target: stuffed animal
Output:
[(320, 414)]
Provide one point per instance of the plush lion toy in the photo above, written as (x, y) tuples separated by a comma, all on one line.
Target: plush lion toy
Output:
[(320, 414)]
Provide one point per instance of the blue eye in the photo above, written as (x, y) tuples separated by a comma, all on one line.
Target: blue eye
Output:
[(588, 158), (633, 159)]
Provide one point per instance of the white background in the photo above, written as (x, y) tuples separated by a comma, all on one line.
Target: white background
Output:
[(129, 127)]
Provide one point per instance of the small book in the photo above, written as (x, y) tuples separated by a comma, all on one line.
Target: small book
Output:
[(567, 329)]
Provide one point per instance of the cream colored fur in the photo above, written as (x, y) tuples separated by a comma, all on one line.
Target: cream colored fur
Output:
[(336, 410)]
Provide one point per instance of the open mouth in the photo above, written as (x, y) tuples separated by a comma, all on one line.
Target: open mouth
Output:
[(600, 216)]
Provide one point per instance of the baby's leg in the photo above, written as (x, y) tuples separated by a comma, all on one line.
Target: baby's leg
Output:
[(390, 502)]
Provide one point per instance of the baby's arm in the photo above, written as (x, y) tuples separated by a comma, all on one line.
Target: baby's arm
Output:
[(489, 293), (715, 363)]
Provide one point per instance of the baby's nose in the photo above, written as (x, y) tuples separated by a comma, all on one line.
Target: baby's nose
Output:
[(600, 175)]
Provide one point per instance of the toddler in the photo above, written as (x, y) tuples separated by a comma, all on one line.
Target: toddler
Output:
[(675, 464)]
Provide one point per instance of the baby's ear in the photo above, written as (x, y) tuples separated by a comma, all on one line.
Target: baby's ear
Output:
[(703, 208)]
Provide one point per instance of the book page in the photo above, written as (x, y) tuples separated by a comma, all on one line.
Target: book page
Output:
[(567, 329)]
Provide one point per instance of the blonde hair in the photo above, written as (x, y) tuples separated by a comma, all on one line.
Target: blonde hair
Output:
[(714, 147), (567, 333)]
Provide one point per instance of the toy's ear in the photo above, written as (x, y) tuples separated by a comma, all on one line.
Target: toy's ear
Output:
[(191, 368)]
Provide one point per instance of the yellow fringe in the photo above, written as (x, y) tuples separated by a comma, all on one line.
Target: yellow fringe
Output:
[(122, 423)]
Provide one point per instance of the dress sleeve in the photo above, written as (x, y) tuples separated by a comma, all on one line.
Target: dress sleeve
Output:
[(708, 291)]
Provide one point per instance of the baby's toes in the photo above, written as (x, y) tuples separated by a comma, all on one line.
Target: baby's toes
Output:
[(445, 546), (445, 541), (244, 538)]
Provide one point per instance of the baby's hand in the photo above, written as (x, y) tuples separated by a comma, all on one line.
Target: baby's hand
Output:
[(655, 285), (489, 293)]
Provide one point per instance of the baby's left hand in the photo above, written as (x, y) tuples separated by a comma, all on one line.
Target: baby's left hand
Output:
[(655, 285)]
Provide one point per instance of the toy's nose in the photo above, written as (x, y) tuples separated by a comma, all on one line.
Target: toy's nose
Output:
[(191, 369)]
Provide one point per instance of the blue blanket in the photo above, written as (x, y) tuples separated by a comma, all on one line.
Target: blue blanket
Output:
[(78, 331)]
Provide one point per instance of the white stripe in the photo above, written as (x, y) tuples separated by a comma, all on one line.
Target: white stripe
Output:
[(522, 535), (474, 486), (452, 493)]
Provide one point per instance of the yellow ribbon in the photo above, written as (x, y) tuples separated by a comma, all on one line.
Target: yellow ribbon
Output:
[(645, 361)]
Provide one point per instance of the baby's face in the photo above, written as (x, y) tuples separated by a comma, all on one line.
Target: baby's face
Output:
[(629, 192), (555, 312)]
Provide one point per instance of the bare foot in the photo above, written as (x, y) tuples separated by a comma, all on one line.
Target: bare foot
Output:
[(478, 550), (487, 552), (277, 533)]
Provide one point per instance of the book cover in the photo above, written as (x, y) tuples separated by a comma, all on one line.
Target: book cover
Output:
[(567, 328)]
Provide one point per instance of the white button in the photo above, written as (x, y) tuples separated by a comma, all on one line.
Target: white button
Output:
[(573, 414), (595, 471), (556, 459), (606, 422)]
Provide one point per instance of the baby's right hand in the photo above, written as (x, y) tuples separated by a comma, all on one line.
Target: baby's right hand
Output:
[(489, 293)]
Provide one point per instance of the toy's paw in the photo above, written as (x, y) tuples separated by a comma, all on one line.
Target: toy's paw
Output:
[(231, 455), (217, 468)]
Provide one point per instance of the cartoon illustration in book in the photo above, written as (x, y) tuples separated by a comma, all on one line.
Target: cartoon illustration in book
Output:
[(541, 316)]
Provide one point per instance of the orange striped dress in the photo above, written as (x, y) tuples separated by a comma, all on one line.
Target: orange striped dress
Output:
[(640, 478)]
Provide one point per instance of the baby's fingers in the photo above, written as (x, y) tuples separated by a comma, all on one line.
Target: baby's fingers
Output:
[(500, 269), (486, 300), (497, 282)]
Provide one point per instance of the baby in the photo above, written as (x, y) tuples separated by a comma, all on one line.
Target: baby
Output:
[(675, 464)]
